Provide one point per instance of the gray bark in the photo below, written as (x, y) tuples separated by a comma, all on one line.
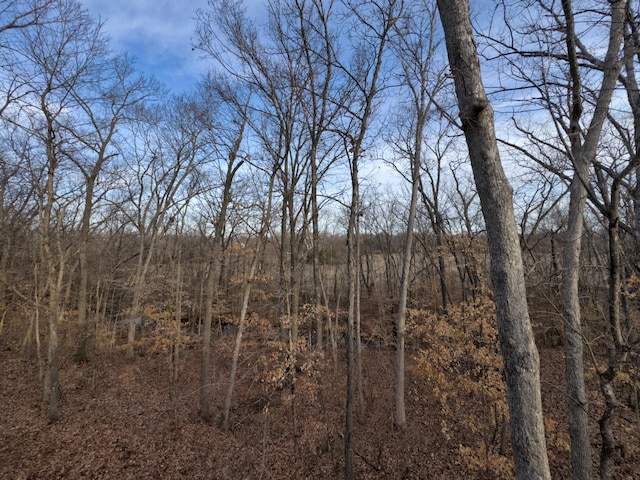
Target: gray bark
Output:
[(582, 156), (255, 262), (368, 87), (213, 276), (401, 419), (521, 362)]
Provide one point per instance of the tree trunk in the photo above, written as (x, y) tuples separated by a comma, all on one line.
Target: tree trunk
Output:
[(358, 333), (255, 261), (573, 350), (54, 273), (83, 330), (144, 260), (574, 357), (354, 144), (213, 276), (521, 362), (401, 419), (442, 265), (205, 361), (52, 382), (582, 156), (619, 351), (224, 422), (352, 276), (315, 245)]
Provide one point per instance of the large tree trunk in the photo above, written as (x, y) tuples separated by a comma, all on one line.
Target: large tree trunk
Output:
[(521, 362)]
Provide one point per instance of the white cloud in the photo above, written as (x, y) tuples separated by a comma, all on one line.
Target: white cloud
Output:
[(157, 32)]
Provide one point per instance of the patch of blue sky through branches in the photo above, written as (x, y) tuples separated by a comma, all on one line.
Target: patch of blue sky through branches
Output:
[(158, 35)]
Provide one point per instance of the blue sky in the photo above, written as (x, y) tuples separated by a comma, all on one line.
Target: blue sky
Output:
[(157, 33)]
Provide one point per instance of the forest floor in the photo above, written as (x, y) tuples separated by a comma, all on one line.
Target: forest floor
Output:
[(118, 420)]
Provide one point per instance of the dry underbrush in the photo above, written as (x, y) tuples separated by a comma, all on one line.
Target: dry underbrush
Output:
[(139, 420)]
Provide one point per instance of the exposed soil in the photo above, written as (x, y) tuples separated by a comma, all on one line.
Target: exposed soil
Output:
[(118, 422)]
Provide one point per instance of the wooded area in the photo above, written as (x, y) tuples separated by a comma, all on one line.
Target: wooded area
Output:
[(347, 252)]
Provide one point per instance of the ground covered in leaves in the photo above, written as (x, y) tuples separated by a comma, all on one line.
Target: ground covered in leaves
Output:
[(119, 419)]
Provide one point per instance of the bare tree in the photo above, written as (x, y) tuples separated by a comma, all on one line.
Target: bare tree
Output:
[(374, 23), (320, 106), (249, 277), (163, 156), (229, 157), (273, 69), (521, 362), (416, 43), (56, 61), (112, 99), (583, 151), (578, 127)]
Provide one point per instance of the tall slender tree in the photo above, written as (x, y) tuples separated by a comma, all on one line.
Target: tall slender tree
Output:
[(229, 159), (374, 23), (416, 43), (583, 152), (521, 362)]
